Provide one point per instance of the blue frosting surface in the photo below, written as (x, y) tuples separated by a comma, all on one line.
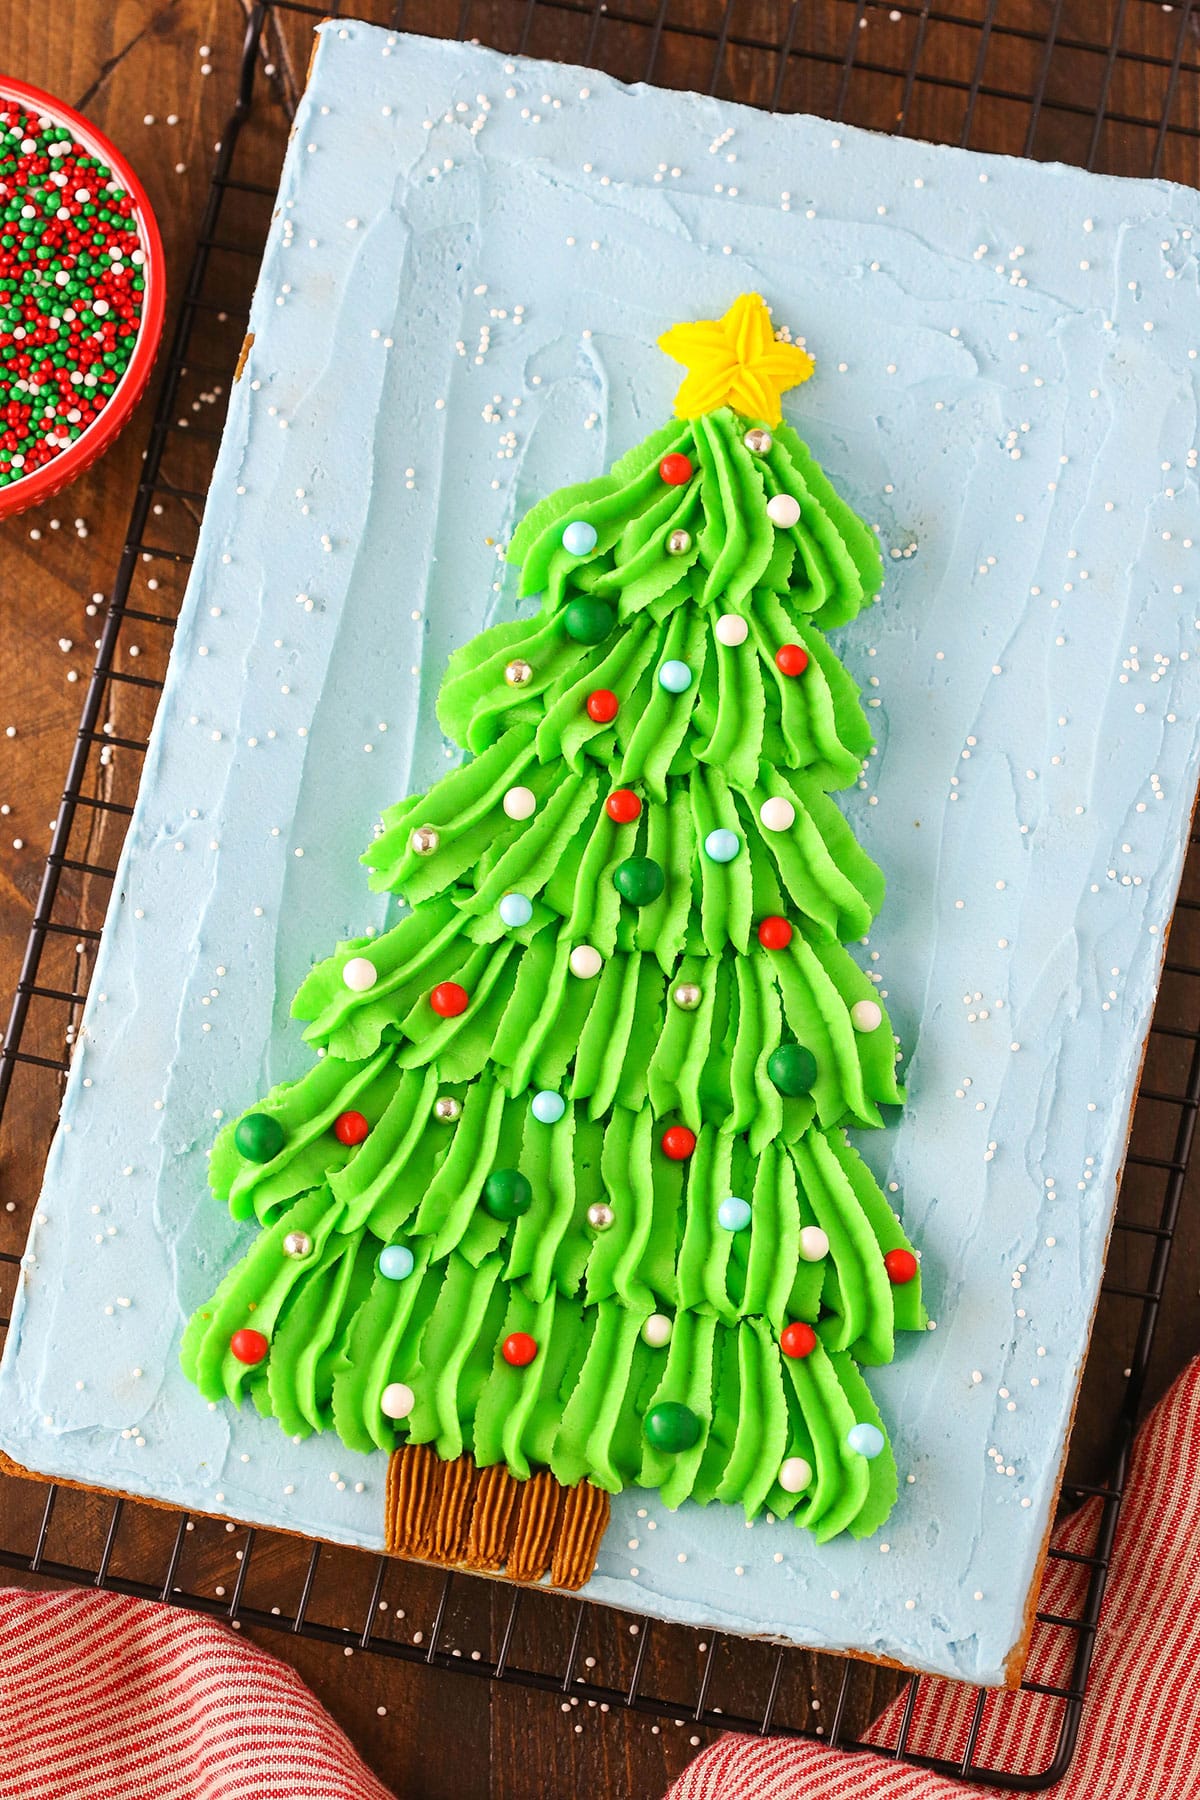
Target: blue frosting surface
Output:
[(457, 312)]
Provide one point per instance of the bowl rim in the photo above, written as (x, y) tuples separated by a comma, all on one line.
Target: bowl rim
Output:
[(95, 438)]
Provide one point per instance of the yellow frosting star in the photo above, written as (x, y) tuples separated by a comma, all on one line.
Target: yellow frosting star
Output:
[(736, 361)]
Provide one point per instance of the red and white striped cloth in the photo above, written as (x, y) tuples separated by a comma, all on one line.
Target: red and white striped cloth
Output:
[(107, 1698), (1140, 1736)]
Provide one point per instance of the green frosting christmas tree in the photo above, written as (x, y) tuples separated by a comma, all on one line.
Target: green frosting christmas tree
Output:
[(570, 1189)]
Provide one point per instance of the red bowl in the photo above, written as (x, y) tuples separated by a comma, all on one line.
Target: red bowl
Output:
[(62, 469)]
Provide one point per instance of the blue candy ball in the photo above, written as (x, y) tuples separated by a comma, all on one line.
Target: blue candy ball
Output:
[(722, 846), (579, 537), (676, 677), (516, 909), (733, 1214), (548, 1107), (395, 1262), (866, 1439)]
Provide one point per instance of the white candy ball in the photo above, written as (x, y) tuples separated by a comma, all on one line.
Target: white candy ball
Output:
[(731, 629), (783, 510), (795, 1475), (656, 1331), (813, 1243), (777, 814), (359, 974), (865, 1015), (520, 803), (397, 1400), (586, 961)]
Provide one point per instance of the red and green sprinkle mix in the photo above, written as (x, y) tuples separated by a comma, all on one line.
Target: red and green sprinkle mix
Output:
[(72, 281)]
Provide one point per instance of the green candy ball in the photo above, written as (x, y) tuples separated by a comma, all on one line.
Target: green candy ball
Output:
[(507, 1194), (259, 1137), (793, 1069), (639, 879), (588, 621), (671, 1426)]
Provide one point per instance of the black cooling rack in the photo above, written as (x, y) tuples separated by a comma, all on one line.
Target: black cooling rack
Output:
[(1112, 86)]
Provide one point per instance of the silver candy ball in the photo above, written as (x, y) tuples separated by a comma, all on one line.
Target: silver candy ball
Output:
[(297, 1245), (424, 840), (600, 1215), (687, 996), (758, 440), (518, 673), (447, 1108), (679, 542)]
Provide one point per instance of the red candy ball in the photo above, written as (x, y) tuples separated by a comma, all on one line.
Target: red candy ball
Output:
[(249, 1346), (448, 999), (519, 1349), (602, 706), (678, 1142), (798, 1339), (350, 1128), (675, 469), (791, 659), (901, 1266), (774, 933), (623, 806)]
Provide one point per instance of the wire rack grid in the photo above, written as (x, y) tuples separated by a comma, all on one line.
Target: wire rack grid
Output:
[(1112, 86)]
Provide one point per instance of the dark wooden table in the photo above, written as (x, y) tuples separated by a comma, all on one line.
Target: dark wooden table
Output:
[(159, 76)]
